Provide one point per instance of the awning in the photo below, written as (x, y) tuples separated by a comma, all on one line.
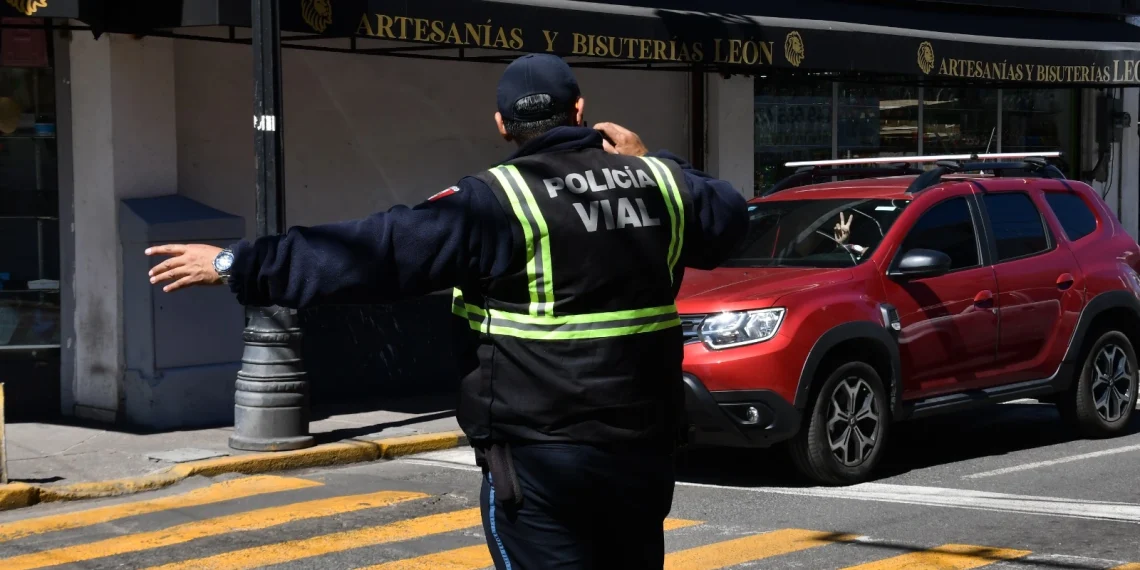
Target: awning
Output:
[(921, 41), (42, 9), (999, 46)]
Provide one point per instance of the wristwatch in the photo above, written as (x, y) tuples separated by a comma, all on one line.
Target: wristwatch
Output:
[(223, 263)]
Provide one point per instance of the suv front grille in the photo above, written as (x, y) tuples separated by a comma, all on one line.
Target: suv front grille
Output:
[(690, 325)]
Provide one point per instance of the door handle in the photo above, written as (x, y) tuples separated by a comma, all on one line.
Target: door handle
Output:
[(1065, 281), (984, 299)]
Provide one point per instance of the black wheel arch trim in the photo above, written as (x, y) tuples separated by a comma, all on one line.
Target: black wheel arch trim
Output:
[(1112, 300), (855, 330)]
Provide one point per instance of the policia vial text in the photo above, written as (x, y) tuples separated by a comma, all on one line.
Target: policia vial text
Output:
[(627, 216)]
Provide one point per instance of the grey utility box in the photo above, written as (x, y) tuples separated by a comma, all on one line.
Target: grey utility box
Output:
[(183, 349)]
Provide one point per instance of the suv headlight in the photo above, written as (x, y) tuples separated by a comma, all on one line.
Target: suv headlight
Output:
[(726, 330)]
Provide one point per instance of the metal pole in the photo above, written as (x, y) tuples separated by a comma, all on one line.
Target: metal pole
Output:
[(271, 403)]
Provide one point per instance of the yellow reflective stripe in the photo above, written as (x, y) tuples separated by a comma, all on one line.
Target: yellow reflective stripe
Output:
[(461, 308), (543, 246), (588, 318), (674, 204), (676, 190), (532, 274), (579, 334)]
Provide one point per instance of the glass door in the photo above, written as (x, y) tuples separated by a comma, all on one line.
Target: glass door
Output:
[(29, 225)]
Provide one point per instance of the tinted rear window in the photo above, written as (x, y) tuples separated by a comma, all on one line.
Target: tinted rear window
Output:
[(1074, 214), (1017, 225)]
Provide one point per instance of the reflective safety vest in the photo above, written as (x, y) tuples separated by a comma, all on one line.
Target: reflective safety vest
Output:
[(580, 340)]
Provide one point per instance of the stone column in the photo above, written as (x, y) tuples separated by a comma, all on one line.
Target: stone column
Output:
[(124, 145), (731, 131)]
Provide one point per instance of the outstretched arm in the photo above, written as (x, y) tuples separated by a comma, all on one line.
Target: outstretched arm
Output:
[(460, 235)]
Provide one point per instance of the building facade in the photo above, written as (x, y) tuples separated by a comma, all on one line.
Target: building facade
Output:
[(118, 140)]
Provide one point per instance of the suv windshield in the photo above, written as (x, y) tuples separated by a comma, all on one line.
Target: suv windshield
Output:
[(815, 233)]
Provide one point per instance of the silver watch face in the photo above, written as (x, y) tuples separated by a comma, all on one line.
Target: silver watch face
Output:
[(223, 261)]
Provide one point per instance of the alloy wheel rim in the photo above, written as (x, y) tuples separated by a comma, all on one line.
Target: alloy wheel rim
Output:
[(1112, 385), (854, 421)]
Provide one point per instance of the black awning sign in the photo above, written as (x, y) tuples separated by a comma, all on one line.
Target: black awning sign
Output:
[(727, 42), (27, 7), (1103, 67), (489, 35)]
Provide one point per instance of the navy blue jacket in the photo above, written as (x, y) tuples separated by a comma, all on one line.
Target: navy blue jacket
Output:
[(442, 243)]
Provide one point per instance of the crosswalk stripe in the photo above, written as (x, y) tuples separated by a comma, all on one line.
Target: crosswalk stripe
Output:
[(475, 557), (750, 548), (674, 524), (225, 491), (293, 550), (946, 557), (469, 558), (251, 520)]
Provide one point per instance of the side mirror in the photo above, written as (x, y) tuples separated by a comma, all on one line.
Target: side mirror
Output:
[(921, 263)]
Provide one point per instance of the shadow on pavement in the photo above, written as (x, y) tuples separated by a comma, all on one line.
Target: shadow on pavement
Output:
[(350, 433), (913, 445)]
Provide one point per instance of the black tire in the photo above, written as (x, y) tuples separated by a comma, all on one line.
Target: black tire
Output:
[(811, 448), (1079, 407)]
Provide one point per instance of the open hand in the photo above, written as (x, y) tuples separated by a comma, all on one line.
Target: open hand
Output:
[(190, 265), (621, 140)]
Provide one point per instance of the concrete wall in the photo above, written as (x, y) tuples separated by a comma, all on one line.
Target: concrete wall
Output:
[(364, 133), (730, 116), (123, 146)]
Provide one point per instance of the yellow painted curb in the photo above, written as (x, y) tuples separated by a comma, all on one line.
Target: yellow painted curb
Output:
[(18, 495)]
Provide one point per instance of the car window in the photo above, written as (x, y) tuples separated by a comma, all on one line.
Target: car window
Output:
[(1017, 225), (948, 228), (1074, 214), (838, 232)]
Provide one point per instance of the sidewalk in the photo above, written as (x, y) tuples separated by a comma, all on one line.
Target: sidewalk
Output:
[(61, 455)]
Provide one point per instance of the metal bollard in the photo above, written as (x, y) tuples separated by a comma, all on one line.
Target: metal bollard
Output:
[(271, 403)]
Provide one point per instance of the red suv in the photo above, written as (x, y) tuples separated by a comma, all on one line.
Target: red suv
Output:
[(900, 293)]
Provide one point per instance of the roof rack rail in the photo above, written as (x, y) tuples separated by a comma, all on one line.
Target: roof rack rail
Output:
[(1031, 162), (1034, 165), (808, 174), (925, 159)]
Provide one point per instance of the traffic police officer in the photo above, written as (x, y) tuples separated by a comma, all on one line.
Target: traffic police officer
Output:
[(565, 260)]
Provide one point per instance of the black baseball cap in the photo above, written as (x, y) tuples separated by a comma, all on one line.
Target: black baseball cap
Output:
[(537, 74)]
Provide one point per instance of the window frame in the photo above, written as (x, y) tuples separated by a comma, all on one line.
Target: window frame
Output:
[(980, 237), (1050, 239)]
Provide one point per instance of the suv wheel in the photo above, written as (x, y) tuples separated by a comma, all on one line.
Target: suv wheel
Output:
[(1102, 400), (846, 429)]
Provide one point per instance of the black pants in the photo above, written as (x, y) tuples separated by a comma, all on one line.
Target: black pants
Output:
[(582, 509)]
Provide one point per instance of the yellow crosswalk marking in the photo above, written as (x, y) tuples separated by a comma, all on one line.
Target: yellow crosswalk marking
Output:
[(251, 520), (225, 491), (674, 524), (946, 557), (475, 557), (290, 551), (470, 558), (750, 548), (1133, 566)]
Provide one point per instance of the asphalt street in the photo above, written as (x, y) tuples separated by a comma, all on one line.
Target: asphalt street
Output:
[(1005, 488)]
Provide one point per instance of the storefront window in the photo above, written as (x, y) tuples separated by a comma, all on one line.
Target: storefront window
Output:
[(1039, 120), (793, 122), (877, 120), (29, 200), (960, 120), (793, 119)]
